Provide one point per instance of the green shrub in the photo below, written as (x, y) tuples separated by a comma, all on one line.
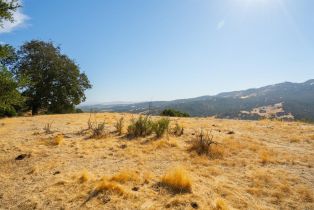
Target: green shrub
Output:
[(174, 113), (7, 111), (119, 125), (141, 127), (161, 126)]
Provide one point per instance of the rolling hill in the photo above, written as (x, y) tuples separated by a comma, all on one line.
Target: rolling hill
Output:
[(284, 101)]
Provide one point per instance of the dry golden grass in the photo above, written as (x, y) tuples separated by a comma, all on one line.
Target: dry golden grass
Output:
[(256, 166), (58, 139), (112, 187), (125, 176), (85, 176), (220, 204), (177, 180)]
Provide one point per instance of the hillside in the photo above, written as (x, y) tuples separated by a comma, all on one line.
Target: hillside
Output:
[(283, 101), (258, 165)]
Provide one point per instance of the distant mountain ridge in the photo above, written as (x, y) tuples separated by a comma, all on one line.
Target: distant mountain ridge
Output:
[(284, 100)]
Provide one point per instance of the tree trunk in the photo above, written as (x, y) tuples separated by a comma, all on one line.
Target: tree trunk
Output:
[(34, 110)]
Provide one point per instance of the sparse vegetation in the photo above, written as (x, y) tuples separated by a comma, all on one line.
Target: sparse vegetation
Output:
[(99, 130), (119, 125), (135, 173), (177, 180), (174, 113), (48, 127), (160, 127)]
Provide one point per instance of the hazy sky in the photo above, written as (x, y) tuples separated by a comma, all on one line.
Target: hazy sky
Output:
[(137, 50)]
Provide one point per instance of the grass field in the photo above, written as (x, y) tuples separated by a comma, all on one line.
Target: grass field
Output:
[(255, 165)]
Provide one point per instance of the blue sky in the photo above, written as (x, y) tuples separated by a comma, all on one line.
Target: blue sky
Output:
[(138, 50)]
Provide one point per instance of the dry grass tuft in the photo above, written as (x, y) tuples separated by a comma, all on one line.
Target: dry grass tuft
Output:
[(306, 194), (125, 176), (265, 156), (113, 187), (47, 128), (85, 176), (220, 204), (165, 143), (177, 180), (58, 139)]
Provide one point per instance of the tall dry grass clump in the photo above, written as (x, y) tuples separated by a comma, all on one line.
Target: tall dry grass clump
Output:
[(177, 180), (58, 139)]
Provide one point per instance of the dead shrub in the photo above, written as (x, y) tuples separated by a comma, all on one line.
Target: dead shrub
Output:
[(48, 127), (205, 145), (99, 130)]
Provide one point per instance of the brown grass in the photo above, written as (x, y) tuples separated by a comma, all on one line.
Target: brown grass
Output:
[(177, 180)]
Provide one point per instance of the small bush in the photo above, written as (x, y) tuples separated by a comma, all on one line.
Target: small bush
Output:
[(203, 143), (119, 125), (141, 127), (99, 131), (178, 130), (160, 127), (7, 111), (177, 180), (174, 113)]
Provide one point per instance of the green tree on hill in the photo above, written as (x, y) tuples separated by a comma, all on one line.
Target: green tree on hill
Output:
[(174, 113), (54, 81)]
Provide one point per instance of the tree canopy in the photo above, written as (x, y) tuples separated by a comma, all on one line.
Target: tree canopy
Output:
[(7, 8), (174, 113), (54, 82), (10, 98)]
